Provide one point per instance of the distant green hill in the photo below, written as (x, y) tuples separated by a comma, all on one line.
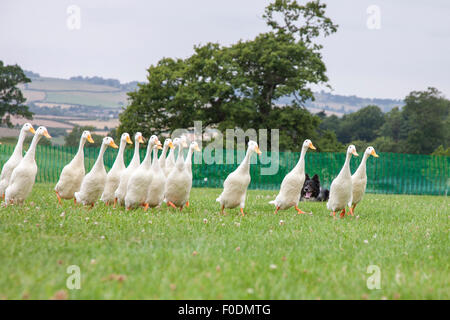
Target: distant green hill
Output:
[(77, 91)]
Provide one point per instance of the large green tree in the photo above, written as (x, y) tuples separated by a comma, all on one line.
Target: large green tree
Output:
[(240, 85), (11, 97), (426, 114)]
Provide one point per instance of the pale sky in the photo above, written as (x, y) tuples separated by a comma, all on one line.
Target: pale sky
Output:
[(121, 39)]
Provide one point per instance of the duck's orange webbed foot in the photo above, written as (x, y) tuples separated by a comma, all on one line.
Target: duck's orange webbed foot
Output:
[(298, 210), (242, 212), (276, 210), (352, 209), (342, 215), (169, 203), (58, 196)]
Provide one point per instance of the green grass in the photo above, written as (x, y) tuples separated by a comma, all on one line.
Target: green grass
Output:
[(307, 257)]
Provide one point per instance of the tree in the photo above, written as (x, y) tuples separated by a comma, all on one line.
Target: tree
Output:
[(11, 98), (328, 142), (238, 85), (73, 138), (330, 123), (363, 124), (394, 125), (386, 144), (426, 114)]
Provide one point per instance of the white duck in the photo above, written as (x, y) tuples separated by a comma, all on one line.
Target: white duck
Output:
[(155, 194), (170, 160), (141, 178), (121, 191), (359, 179), (73, 173), (15, 158), (236, 184), (292, 184), (113, 176), (341, 187), (94, 182), (178, 183), (188, 162), (23, 176)]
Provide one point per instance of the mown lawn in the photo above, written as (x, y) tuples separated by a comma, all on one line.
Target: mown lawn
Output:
[(199, 254)]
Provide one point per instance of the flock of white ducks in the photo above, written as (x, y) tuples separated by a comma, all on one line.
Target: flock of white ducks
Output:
[(165, 179)]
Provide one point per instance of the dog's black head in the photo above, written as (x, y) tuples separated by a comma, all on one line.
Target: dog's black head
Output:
[(311, 187)]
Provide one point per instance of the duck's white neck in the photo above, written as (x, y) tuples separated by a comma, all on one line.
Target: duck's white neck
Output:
[(119, 157), (345, 171), (32, 150), (148, 156), (164, 153), (245, 164), (188, 160), (300, 166), (136, 158), (99, 161), (155, 160), (362, 166), (180, 159), (80, 152), (171, 155), (19, 146)]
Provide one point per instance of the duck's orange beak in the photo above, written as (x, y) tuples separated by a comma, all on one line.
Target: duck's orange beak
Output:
[(129, 140), (171, 146), (47, 135), (32, 130), (311, 146), (374, 153), (257, 150), (196, 148), (113, 144), (355, 153), (89, 138), (141, 139)]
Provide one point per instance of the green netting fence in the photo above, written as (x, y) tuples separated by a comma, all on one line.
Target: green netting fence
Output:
[(390, 173)]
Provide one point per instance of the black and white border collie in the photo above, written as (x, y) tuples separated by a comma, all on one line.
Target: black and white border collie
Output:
[(312, 191)]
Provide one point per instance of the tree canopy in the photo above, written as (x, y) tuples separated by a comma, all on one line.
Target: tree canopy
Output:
[(238, 85), (11, 98), (241, 86)]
